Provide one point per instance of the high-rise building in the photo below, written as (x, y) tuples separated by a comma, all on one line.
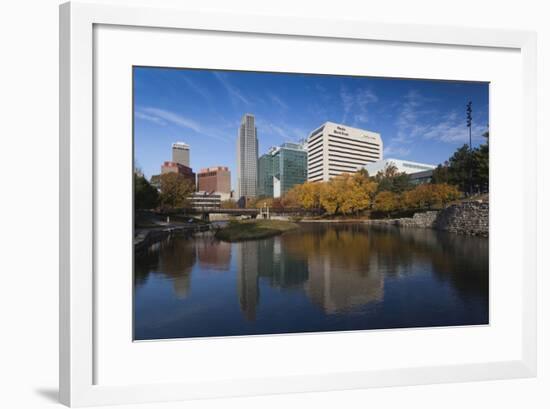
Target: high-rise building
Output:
[(333, 149), (216, 179), (247, 157), (289, 167), (180, 153), (265, 175)]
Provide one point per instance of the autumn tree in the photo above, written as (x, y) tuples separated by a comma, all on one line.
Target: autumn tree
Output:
[(359, 193), (307, 196), (264, 201), (228, 204), (277, 203), (386, 201), (330, 197), (445, 193), (292, 197), (175, 190), (347, 193), (430, 195)]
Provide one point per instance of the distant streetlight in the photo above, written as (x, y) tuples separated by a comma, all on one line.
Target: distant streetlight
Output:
[(469, 125), (469, 120)]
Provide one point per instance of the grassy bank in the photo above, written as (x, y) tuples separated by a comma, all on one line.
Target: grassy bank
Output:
[(254, 229)]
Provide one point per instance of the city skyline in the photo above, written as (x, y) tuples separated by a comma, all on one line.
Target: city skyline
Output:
[(418, 120)]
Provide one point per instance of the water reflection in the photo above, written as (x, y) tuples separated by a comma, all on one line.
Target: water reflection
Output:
[(247, 277), (213, 254), (362, 277)]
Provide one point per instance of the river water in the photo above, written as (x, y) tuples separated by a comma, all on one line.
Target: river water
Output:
[(321, 277)]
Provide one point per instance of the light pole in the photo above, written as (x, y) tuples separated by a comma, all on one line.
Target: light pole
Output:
[(469, 125), (469, 120)]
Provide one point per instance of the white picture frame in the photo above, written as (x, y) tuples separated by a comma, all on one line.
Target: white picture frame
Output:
[(77, 240)]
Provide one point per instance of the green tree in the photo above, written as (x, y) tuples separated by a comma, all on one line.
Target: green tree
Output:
[(481, 166), (145, 195), (468, 169), (391, 180), (441, 173), (460, 165)]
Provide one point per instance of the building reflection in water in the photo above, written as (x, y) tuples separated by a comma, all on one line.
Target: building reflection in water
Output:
[(342, 274), (338, 268), (247, 277), (213, 254), (264, 260), (176, 263)]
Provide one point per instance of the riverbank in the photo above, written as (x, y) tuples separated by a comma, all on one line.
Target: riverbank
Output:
[(146, 237), (254, 229)]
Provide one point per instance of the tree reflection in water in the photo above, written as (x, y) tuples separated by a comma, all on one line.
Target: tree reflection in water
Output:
[(340, 269)]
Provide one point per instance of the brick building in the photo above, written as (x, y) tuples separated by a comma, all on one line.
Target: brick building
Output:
[(216, 179)]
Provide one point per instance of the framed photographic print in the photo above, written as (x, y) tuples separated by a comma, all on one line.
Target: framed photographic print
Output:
[(256, 204)]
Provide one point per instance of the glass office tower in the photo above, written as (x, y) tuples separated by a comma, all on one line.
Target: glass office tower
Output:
[(282, 168), (265, 175)]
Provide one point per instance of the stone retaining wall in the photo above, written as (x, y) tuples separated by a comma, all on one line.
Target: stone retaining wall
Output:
[(471, 218)]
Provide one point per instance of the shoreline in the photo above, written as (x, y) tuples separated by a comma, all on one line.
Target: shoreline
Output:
[(254, 230), (146, 237)]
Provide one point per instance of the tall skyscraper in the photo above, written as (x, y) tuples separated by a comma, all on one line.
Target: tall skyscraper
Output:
[(247, 157), (333, 149), (180, 153)]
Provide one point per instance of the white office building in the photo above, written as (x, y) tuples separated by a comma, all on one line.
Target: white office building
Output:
[(403, 166), (180, 153), (247, 157), (334, 149)]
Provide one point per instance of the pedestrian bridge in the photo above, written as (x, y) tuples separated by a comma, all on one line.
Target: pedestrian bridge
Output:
[(253, 213), (206, 212)]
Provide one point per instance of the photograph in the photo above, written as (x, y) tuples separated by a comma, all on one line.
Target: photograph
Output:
[(270, 203)]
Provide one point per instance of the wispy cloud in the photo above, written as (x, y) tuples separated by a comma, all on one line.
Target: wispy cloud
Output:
[(234, 93), (357, 105), (150, 118), (278, 101), (286, 133), (164, 117), (197, 88), (418, 118), (452, 129), (393, 150), (171, 117)]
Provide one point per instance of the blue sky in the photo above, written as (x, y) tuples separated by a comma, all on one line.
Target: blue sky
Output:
[(418, 120)]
